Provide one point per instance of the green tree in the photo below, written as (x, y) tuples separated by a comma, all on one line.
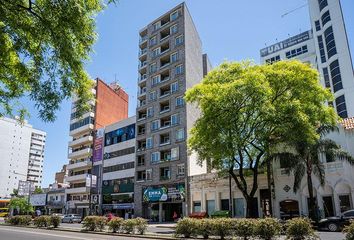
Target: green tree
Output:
[(14, 193), (38, 190), (21, 204), (43, 48), (248, 110), (304, 159)]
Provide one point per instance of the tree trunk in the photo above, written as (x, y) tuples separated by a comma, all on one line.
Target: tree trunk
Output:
[(312, 200), (249, 203), (269, 181)]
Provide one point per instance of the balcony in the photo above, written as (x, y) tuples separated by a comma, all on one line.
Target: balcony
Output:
[(164, 92), (80, 153), (79, 177), (142, 52), (165, 122), (142, 78), (141, 130), (81, 141), (141, 103), (143, 39), (77, 190), (80, 130), (142, 92), (82, 164), (164, 107), (141, 146), (141, 115), (142, 64)]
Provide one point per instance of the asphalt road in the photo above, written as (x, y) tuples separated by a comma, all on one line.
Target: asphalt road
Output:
[(15, 233)]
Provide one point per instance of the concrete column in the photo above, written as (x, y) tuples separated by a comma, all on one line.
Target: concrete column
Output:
[(202, 200), (336, 203), (352, 197), (320, 203), (160, 211), (217, 200)]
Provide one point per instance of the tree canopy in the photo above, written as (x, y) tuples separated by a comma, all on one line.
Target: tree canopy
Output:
[(247, 110), (43, 48), (21, 204)]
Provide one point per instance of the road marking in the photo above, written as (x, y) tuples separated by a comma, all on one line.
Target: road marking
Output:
[(47, 234)]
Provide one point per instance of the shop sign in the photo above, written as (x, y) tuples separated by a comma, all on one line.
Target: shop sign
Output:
[(98, 145), (38, 199), (165, 193), (155, 194)]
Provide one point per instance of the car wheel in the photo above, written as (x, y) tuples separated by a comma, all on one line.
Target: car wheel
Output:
[(333, 227)]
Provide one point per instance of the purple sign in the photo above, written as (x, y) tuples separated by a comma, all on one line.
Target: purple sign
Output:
[(98, 146)]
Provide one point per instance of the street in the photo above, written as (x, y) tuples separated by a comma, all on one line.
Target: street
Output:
[(15, 233)]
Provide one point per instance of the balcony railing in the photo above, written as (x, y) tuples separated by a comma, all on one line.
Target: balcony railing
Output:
[(143, 39)]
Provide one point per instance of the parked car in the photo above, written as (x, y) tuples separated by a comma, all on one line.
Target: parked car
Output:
[(335, 224), (71, 218), (59, 215)]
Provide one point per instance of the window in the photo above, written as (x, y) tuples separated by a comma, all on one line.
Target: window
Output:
[(174, 15), (296, 52), (197, 206), (174, 29), (155, 52), (224, 204), (120, 135), (273, 59), (341, 107), (83, 122), (174, 153), (349, 214), (148, 174), (179, 40), (153, 67), (174, 119), (155, 80), (165, 173), (336, 76), (344, 203), (118, 167), (325, 18), (155, 157), (153, 40), (180, 170), (149, 143), (156, 26), (321, 47), (141, 160), (174, 57), (119, 153), (174, 87), (179, 69), (210, 206), (141, 176), (180, 134), (155, 125), (326, 77), (152, 96), (179, 101), (150, 112), (317, 25), (330, 43), (322, 4)]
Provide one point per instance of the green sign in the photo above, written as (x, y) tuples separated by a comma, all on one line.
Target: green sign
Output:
[(155, 194)]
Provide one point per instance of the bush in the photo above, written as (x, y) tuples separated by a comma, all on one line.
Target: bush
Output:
[(128, 225), (23, 220), (204, 227), (267, 228), (299, 229), (349, 230), (115, 224), (42, 221), (244, 228), (221, 227), (55, 221), (141, 225), (186, 227), (94, 223)]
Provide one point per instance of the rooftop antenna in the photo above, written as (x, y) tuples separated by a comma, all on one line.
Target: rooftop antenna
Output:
[(293, 10)]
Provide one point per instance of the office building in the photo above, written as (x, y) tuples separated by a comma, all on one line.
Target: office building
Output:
[(110, 105), (326, 48), (170, 62), (22, 155), (118, 169)]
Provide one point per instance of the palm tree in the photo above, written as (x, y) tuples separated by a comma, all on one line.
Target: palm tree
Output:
[(305, 160)]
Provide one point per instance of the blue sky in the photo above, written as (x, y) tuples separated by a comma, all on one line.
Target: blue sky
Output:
[(229, 29)]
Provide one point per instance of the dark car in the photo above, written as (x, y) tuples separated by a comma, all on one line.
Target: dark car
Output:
[(335, 224)]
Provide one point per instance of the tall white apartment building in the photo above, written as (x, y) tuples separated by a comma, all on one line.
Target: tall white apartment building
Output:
[(326, 48), (22, 155)]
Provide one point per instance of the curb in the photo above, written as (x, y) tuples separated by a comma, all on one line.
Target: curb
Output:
[(147, 236)]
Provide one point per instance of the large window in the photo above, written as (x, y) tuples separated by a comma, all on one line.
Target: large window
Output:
[(118, 167), (120, 135), (155, 157), (197, 206), (341, 107), (179, 101), (344, 202), (321, 47), (119, 153), (224, 204), (149, 143), (325, 18), (317, 25), (210, 206), (180, 134), (273, 59), (330, 43), (322, 4), (179, 40), (336, 76), (83, 122), (296, 52)]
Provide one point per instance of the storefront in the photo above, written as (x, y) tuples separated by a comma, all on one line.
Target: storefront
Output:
[(164, 203)]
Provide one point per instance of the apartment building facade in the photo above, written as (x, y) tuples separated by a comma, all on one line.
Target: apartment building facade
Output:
[(170, 62), (110, 105), (116, 181), (22, 155)]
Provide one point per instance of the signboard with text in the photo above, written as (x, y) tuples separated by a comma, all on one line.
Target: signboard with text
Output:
[(98, 146), (167, 193)]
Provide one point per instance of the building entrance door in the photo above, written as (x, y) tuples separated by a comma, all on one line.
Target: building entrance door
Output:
[(328, 206), (169, 210)]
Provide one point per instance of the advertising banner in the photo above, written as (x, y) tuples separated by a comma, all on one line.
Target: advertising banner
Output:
[(38, 199), (98, 146), (164, 193)]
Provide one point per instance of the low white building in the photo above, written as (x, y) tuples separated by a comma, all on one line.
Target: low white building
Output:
[(211, 193)]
